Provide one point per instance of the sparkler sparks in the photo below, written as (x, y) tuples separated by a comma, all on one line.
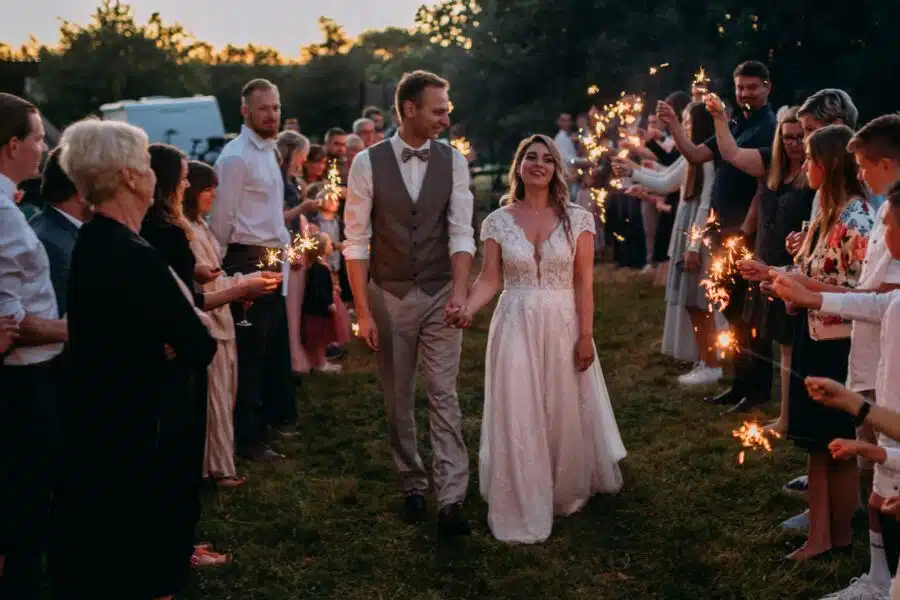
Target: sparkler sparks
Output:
[(355, 328), (462, 144), (333, 187), (593, 90), (655, 69), (599, 197), (701, 81), (752, 436)]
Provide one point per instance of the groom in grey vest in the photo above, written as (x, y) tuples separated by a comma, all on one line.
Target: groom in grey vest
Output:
[(408, 222)]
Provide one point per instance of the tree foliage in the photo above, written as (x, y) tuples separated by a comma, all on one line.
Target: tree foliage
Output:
[(513, 64)]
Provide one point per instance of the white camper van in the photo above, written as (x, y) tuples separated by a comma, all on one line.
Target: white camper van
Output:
[(193, 124)]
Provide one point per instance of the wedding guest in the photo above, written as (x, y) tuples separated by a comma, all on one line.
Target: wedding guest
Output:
[(732, 197), (319, 307), (316, 165), (376, 115), (125, 461), (355, 145), (784, 203), (832, 253), (65, 211), (248, 221), (218, 462), (293, 150), (336, 150), (27, 387), (364, 129), (689, 331)]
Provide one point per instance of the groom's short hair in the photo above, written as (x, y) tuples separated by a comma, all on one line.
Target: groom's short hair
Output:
[(412, 85)]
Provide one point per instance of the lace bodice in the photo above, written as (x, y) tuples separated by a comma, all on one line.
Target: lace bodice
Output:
[(550, 267)]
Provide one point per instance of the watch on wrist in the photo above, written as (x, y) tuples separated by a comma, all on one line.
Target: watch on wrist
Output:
[(862, 413)]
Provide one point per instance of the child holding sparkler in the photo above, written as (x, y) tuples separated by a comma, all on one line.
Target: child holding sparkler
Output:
[(320, 326), (882, 310), (832, 253)]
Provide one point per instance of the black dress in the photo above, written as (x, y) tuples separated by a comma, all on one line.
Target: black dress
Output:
[(666, 222), (780, 212), (129, 466)]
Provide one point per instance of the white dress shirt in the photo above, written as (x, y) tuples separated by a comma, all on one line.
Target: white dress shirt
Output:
[(878, 268), (566, 147), (76, 222), (358, 208), (25, 286), (249, 207), (883, 310)]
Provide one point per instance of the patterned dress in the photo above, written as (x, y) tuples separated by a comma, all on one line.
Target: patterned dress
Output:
[(836, 260)]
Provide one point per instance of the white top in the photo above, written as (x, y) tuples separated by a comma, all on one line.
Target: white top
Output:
[(883, 310), (249, 206), (25, 286), (670, 179), (878, 268), (358, 208), (566, 147)]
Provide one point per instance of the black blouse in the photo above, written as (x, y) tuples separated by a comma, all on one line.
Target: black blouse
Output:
[(319, 292), (172, 242), (121, 423)]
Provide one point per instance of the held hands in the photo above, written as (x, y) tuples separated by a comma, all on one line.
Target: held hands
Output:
[(584, 353)]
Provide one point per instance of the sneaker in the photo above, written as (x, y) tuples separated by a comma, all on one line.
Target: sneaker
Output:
[(860, 588), (798, 486), (799, 522), (687, 376), (705, 376), (329, 368)]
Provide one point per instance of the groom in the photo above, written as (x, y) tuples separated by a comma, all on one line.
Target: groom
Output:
[(408, 222)]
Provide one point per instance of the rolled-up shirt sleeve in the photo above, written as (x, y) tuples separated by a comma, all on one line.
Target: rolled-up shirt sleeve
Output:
[(462, 206), (230, 172), (12, 246), (358, 208)]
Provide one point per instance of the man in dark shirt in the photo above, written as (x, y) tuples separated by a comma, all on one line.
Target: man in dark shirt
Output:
[(733, 194)]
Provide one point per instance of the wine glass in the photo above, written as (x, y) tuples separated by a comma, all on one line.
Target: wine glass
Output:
[(244, 322)]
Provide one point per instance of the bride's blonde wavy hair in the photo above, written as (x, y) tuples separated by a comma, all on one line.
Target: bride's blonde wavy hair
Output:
[(558, 190)]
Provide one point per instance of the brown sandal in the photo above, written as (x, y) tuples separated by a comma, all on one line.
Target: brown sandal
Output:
[(231, 483)]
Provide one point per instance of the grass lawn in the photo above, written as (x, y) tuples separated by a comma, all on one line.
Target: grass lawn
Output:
[(690, 523)]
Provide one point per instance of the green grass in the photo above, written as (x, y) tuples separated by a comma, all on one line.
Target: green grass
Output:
[(690, 523)]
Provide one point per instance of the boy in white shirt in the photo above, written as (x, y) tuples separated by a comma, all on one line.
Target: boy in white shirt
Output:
[(875, 346)]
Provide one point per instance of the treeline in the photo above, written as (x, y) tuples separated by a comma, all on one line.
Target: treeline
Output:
[(513, 64)]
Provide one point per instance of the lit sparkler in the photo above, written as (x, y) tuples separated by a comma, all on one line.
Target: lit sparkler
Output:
[(753, 436), (333, 187), (355, 328), (599, 197), (462, 144), (593, 90), (701, 81)]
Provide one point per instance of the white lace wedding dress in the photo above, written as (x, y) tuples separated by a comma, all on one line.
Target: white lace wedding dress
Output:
[(549, 439)]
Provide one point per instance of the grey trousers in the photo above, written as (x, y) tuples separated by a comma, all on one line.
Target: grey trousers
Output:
[(410, 330)]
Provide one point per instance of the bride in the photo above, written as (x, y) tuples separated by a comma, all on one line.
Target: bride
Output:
[(549, 439)]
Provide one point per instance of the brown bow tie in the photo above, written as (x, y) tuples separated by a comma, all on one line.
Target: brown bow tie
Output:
[(408, 153)]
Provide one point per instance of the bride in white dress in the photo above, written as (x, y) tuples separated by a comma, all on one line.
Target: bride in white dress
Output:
[(549, 439)]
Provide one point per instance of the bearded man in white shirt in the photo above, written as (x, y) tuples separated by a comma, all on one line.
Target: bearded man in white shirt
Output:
[(27, 378), (248, 221), (408, 199)]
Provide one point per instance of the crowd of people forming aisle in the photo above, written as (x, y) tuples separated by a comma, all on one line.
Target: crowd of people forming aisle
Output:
[(149, 337)]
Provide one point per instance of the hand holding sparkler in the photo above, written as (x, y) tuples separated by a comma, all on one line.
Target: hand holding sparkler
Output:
[(715, 107), (754, 270), (793, 291), (842, 449), (832, 394), (666, 113)]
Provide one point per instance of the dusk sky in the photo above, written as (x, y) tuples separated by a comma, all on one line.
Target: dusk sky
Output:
[(285, 25)]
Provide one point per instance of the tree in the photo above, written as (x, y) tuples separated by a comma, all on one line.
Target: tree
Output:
[(114, 58)]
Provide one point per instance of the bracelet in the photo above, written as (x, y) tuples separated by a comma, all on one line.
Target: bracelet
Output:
[(863, 412)]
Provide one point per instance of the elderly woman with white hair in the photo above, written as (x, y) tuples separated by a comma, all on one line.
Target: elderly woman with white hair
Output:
[(128, 437)]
